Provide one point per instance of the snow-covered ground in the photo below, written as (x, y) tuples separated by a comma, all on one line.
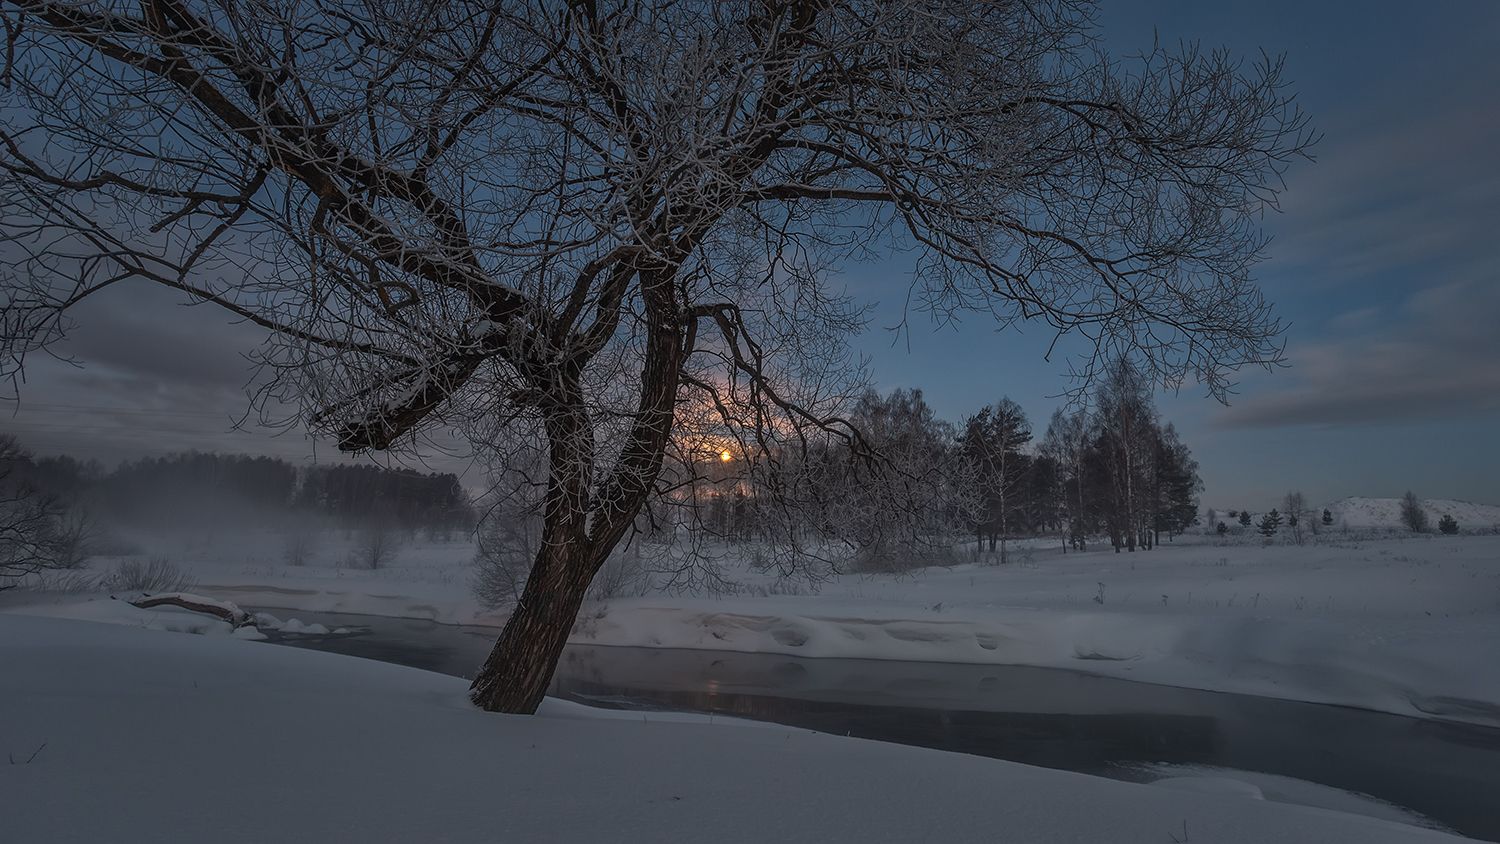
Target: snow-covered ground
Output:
[(123, 735), (1399, 623)]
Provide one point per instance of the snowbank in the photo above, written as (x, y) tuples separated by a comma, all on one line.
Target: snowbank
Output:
[(137, 735), (106, 610), (1400, 624)]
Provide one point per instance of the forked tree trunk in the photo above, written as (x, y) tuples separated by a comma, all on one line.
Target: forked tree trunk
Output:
[(582, 524)]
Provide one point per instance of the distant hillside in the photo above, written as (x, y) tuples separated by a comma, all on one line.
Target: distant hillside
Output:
[(1357, 512)]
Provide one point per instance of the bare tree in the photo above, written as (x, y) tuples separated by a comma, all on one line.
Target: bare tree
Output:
[(1067, 441), (1126, 416), (906, 516), (375, 545), (992, 444), (1295, 506), (1412, 514), (300, 541), (37, 533), (576, 217), (510, 532)]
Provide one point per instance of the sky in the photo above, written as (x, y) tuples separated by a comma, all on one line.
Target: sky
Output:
[(1382, 263)]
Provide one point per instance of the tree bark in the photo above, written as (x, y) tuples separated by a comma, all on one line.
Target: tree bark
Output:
[(515, 676)]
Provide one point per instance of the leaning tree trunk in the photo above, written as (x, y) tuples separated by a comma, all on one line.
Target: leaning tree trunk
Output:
[(581, 524), (515, 676)]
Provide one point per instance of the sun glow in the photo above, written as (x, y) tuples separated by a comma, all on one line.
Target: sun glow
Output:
[(726, 455)]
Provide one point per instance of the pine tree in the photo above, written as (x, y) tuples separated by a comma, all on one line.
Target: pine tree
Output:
[(1245, 518), (1175, 485), (1327, 517), (1222, 529), (1269, 523), (1447, 524)]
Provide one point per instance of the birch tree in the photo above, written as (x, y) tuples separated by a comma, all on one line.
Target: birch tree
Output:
[(992, 444), (571, 218), (1067, 441)]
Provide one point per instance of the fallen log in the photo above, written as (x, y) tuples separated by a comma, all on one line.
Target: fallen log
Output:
[(197, 603)]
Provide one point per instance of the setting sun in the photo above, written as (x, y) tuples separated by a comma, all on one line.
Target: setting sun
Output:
[(726, 455)]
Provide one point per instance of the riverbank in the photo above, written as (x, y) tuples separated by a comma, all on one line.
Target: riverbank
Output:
[(125, 734), (1392, 624)]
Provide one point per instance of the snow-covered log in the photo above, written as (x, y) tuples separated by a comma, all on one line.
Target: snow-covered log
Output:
[(196, 603)]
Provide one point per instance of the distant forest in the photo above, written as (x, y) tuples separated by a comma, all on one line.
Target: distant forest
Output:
[(196, 489)]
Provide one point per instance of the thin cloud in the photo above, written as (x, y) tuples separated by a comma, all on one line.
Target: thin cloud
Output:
[(1435, 359), (1398, 198)]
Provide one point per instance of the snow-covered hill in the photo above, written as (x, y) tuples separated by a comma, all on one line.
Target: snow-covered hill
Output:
[(1359, 512)]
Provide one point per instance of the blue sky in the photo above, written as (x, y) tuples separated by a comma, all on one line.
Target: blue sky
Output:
[(1382, 263)]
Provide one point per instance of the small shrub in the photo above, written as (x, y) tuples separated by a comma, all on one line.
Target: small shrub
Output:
[(155, 575), (375, 547), (500, 572), (622, 575), (1447, 524), (70, 581), (504, 560), (299, 545), (508, 543), (905, 556)]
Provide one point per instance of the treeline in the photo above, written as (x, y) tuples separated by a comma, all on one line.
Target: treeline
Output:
[(202, 489), (1115, 472)]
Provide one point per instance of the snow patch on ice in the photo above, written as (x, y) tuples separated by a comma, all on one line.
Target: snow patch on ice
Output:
[(1277, 789)]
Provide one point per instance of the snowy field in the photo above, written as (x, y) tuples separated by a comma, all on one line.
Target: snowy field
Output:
[(118, 734), (1391, 622)]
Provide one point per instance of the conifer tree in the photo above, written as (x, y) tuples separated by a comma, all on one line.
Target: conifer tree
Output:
[(1269, 523)]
